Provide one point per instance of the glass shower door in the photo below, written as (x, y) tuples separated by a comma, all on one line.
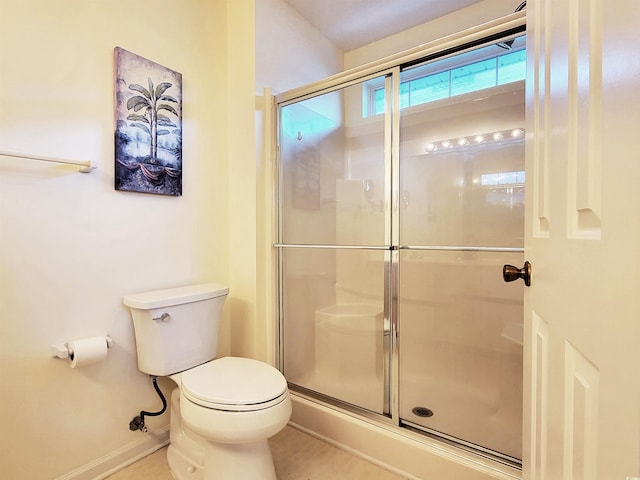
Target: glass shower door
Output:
[(333, 247), (401, 197), (461, 206)]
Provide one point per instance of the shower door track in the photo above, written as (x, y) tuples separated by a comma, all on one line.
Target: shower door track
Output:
[(462, 444)]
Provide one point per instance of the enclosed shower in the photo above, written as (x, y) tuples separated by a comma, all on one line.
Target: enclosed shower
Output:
[(400, 198)]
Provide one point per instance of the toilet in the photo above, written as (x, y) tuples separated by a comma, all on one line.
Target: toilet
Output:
[(223, 409)]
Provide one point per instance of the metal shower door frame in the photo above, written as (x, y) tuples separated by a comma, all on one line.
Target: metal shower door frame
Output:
[(504, 28)]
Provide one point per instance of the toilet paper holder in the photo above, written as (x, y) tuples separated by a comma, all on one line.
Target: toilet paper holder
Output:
[(62, 350)]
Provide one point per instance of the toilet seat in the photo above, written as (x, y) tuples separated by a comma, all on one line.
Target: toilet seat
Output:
[(234, 384)]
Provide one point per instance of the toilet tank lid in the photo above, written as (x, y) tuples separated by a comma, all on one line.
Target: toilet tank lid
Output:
[(174, 296)]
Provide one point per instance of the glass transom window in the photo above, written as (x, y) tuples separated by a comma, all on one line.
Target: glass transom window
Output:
[(441, 79)]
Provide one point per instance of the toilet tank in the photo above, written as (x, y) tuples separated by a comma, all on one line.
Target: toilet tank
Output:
[(177, 328)]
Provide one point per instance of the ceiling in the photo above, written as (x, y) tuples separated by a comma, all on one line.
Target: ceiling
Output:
[(350, 24)]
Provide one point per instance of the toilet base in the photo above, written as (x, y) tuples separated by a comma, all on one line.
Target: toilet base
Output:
[(191, 457), (185, 454), (183, 467), (250, 461)]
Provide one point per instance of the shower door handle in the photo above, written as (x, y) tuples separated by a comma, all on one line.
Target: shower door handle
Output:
[(511, 273)]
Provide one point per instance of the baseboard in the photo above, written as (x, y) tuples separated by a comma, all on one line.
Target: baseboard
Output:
[(391, 449), (110, 463)]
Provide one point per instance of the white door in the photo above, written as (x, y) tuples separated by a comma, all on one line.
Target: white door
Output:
[(582, 321)]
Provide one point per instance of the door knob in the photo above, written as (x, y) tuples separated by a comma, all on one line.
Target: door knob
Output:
[(511, 273)]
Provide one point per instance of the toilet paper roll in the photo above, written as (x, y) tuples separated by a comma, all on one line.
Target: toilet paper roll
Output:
[(87, 351)]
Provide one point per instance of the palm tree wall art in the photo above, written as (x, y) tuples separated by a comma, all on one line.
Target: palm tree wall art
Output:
[(148, 132)]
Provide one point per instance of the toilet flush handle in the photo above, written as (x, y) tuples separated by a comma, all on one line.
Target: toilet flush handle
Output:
[(162, 318)]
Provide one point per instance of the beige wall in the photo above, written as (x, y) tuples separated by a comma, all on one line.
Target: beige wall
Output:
[(71, 246), (290, 52), (242, 180)]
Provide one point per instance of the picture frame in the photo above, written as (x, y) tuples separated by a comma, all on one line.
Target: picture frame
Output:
[(148, 126)]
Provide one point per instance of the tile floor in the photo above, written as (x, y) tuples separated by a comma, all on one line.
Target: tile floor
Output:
[(297, 456)]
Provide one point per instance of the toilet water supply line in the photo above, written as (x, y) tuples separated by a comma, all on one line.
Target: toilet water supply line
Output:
[(138, 422)]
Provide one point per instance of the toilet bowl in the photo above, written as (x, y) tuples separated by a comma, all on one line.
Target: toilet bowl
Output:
[(223, 409), (229, 407)]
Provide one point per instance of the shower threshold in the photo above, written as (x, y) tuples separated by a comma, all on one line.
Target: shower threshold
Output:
[(414, 431), (459, 443)]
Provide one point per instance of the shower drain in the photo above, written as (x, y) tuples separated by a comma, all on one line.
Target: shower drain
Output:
[(422, 412)]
